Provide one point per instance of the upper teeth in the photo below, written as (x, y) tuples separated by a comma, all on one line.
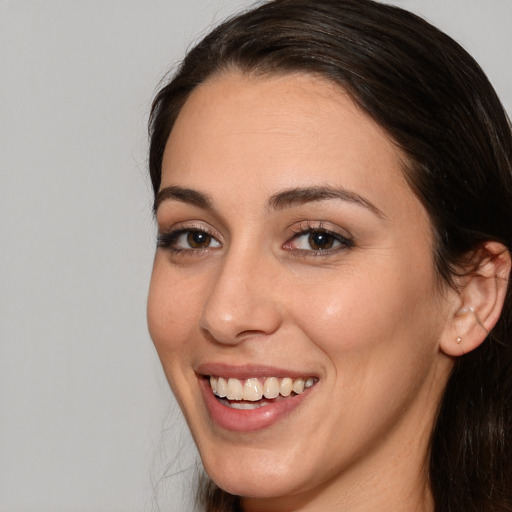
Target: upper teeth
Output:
[(254, 389)]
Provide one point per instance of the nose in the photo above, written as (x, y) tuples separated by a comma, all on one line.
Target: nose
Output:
[(242, 302)]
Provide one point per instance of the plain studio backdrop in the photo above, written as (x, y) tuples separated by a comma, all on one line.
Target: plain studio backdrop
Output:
[(87, 423)]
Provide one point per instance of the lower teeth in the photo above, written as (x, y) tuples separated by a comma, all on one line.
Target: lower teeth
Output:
[(247, 405), (242, 404)]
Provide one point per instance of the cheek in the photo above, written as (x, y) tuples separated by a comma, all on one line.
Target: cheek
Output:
[(367, 320), (377, 334), (172, 310)]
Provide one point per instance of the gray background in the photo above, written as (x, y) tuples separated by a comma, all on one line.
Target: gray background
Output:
[(86, 420)]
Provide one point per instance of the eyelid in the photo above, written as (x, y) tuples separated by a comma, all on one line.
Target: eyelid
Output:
[(306, 227), (166, 237)]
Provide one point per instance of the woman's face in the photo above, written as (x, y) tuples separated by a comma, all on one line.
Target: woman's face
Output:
[(292, 252)]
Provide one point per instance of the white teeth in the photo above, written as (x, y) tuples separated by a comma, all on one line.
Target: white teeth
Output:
[(271, 387), (222, 387), (253, 390), (245, 405), (286, 386), (213, 384), (235, 390), (308, 383), (298, 386)]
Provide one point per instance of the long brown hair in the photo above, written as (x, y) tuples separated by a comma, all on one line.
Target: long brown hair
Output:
[(439, 107)]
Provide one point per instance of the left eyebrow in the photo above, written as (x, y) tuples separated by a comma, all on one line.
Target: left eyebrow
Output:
[(297, 196)]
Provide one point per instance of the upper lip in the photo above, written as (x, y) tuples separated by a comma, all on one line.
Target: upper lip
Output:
[(248, 371)]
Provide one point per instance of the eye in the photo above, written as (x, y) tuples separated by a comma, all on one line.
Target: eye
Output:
[(187, 240), (195, 240), (317, 240)]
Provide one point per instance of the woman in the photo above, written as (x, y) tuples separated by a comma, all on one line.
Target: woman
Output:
[(330, 297)]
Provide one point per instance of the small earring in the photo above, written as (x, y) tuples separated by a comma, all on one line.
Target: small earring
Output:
[(459, 339)]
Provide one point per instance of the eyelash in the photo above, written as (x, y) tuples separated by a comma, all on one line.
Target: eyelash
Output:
[(308, 228), (167, 240)]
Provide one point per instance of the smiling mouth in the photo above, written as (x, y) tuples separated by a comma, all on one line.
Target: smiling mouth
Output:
[(254, 392)]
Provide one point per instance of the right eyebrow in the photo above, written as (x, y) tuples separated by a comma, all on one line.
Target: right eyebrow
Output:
[(184, 195), (297, 196)]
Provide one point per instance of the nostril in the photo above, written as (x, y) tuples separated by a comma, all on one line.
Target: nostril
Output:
[(239, 306), (230, 332)]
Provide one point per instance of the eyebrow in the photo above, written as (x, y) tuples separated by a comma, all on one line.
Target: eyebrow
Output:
[(297, 196), (184, 195), (281, 200)]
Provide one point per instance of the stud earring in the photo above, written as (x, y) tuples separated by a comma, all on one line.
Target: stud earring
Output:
[(459, 339)]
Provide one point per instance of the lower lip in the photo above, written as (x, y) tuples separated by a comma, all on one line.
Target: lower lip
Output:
[(246, 420)]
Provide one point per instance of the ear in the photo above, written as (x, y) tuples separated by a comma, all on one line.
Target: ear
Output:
[(480, 297)]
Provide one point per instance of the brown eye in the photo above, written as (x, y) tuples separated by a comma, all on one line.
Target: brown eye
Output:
[(319, 241), (198, 239), (187, 240)]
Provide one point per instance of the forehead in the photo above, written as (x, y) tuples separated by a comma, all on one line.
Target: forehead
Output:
[(265, 133)]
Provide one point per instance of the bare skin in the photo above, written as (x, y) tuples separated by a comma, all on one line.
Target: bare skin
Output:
[(297, 244)]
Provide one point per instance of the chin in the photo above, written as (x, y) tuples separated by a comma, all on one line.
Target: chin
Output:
[(256, 486), (248, 477)]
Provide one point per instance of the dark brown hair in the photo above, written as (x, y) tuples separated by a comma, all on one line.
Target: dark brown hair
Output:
[(440, 109)]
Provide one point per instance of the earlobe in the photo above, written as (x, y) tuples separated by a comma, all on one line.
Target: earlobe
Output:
[(481, 298)]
